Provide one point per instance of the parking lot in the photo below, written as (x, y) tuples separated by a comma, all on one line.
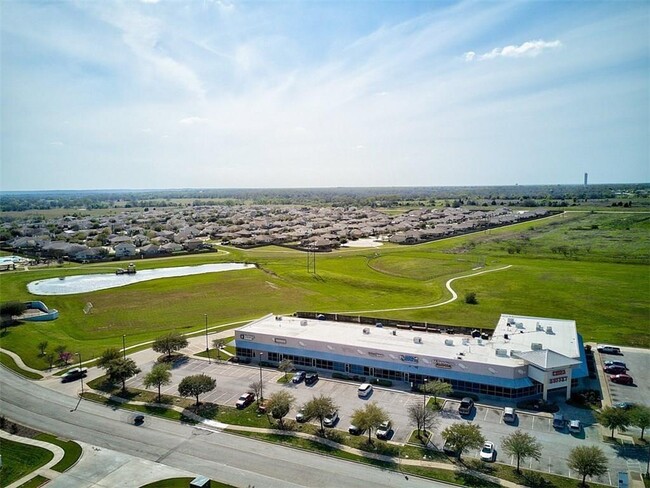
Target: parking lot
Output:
[(233, 380), (638, 364)]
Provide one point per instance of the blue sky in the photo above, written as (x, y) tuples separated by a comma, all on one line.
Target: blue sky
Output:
[(219, 94)]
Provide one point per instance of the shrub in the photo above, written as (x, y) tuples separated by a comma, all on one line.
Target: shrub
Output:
[(470, 298)]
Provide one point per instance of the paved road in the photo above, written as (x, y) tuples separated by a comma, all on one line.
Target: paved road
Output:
[(230, 459)]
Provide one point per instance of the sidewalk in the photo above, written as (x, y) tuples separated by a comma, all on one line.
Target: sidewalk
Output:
[(45, 470)]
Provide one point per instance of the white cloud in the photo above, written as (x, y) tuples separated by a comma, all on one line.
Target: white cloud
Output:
[(193, 120), (56, 143), (150, 1), (529, 49)]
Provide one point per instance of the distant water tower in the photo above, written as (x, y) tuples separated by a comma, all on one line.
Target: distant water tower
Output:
[(586, 178)]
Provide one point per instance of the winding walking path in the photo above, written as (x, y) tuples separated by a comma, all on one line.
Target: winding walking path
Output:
[(454, 295)]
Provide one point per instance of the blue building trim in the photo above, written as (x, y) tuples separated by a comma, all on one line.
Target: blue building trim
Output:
[(581, 371)]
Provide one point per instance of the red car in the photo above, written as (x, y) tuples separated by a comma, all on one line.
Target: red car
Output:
[(615, 369), (623, 379)]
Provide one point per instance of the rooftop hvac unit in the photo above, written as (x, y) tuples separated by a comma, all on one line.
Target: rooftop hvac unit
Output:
[(549, 329), (514, 353), (465, 342), (366, 330), (479, 342), (536, 346), (417, 340), (539, 326), (303, 322), (449, 342), (520, 325), (511, 321), (502, 352)]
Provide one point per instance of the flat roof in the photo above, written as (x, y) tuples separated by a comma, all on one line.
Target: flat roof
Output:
[(522, 333)]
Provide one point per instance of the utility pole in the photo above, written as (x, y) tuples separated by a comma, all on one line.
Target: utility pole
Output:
[(207, 346), (81, 376)]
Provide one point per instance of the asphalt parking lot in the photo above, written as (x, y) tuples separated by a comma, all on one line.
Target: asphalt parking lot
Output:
[(638, 363)]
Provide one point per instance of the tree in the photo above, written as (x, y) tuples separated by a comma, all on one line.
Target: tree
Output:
[(470, 298), (422, 416), (195, 385), (285, 366), (121, 369), (320, 407), (279, 404), (9, 309), (521, 445), (169, 343), (256, 387), (41, 347), (588, 461), (50, 359), (436, 388), (218, 345), (462, 437), (369, 417), (640, 417), (614, 418), (159, 375), (109, 355), (65, 356)]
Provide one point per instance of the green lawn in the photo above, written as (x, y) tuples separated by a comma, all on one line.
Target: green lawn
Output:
[(592, 268), (19, 460), (182, 483), (72, 451), (9, 362)]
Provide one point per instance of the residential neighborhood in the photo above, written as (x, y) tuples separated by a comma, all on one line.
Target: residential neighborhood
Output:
[(166, 231)]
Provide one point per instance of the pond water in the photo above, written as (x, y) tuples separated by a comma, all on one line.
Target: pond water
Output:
[(69, 285)]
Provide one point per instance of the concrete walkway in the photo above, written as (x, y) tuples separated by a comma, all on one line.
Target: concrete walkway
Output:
[(19, 362)]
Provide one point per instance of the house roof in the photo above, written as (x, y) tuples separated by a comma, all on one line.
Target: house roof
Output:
[(547, 359)]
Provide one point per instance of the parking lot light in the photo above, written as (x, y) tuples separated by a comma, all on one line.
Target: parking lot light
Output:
[(81, 376), (207, 347), (424, 392), (261, 392)]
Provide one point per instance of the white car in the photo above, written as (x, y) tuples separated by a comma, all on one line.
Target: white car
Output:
[(575, 427), (364, 390), (488, 453), (331, 419)]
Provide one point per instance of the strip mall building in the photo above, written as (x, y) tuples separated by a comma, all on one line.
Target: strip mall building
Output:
[(524, 357)]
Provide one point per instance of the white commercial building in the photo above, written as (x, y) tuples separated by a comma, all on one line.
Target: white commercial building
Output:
[(525, 356)]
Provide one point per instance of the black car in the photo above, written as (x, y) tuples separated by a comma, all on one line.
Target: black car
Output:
[(298, 376), (74, 374), (311, 378), (138, 419)]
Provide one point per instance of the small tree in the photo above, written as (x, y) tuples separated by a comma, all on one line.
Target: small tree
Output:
[(10, 309), (436, 388), (108, 356), (521, 445), (65, 357), (120, 370), (279, 404), (423, 417), (588, 461), (285, 366), (462, 437), (218, 345), (50, 359), (640, 417), (320, 407), (470, 298), (169, 343), (614, 418), (41, 347), (256, 388), (196, 385), (369, 417), (159, 375)]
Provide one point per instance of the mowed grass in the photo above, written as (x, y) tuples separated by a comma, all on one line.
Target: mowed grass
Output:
[(19, 460), (606, 294)]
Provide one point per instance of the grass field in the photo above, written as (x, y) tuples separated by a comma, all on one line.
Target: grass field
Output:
[(593, 268), (19, 460)]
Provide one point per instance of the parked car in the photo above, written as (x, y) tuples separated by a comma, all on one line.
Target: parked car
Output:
[(615, 363), (488, 453), (623, 379), (575, 427), (311, 378), (354, 430), (559, 422), (331, 419), (364, 390), (300, 416), (384, 430), (74, 374), (509, 415), (298, 376), (624, 405), (615, 370), (466, 406), (609, 349), (245, 400)]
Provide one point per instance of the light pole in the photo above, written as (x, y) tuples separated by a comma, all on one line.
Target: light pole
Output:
[(261, 392), (424, 392), (81, 376), (124, 346), (207, 347)]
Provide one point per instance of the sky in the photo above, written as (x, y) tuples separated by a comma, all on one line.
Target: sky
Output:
[(219, 94)]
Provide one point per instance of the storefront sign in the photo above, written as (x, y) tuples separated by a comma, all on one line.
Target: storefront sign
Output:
[(376, 354), (409, 359), (558, 380), (559, 372), (247, 337), (440, 364)]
